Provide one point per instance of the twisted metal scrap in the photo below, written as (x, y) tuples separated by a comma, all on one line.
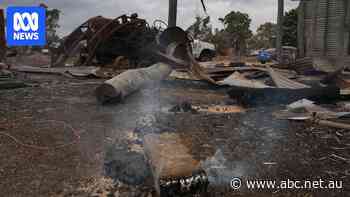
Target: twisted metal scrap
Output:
[(95, 31)]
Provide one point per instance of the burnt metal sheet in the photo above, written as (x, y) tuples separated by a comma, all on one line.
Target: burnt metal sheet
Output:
[(326, 33), (284, 82)]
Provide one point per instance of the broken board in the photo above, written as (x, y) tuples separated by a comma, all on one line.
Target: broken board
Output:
[(175, 171)]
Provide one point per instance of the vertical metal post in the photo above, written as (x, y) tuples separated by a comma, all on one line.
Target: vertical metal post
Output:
[(280, 30), (301, 31), (2, 36), (172, 13)]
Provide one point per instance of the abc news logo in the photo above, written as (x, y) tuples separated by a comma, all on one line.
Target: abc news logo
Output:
[(26, 26), (31, 26)]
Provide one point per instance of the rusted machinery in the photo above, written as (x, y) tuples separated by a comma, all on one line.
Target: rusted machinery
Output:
[(104, 39), (172, 52)]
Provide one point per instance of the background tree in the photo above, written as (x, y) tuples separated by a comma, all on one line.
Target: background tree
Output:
[(265, 36), (52, 19), (290, 26), (237, 25), (201, 29), (221, 40)]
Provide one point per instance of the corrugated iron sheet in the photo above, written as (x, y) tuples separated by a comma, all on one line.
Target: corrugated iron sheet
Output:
[(327, 26)]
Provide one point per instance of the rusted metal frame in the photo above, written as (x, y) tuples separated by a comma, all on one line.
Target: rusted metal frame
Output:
[(71, 43), (66, 51), (97, 34), (99, 38), (77, 35)]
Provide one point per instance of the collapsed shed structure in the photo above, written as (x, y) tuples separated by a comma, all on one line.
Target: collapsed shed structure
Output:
[(324, 33)]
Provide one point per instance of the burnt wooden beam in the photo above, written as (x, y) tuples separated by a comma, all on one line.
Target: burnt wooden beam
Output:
[(175, 171)]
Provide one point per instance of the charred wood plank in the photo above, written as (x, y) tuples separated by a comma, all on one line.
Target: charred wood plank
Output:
[(175, 171)]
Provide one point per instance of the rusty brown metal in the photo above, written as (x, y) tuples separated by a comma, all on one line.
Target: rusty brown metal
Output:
[(122, 23), (2, 36), (71, 42), (96, 32)]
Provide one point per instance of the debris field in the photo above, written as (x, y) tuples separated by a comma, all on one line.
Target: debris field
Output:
[(122, 108)]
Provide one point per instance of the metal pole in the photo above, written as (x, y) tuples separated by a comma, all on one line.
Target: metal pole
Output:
[(301, 32), (172, 13), (280, 30)]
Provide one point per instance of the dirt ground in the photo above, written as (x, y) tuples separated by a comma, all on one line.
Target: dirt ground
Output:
[(56, 140)]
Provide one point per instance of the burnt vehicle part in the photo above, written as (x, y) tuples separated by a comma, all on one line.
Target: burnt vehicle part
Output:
[(117, 88), (105, 39), (182, 52), (173, 50)]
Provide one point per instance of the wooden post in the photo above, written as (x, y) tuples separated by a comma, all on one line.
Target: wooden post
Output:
[(2, 36), (172, 13), (280, 31)]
